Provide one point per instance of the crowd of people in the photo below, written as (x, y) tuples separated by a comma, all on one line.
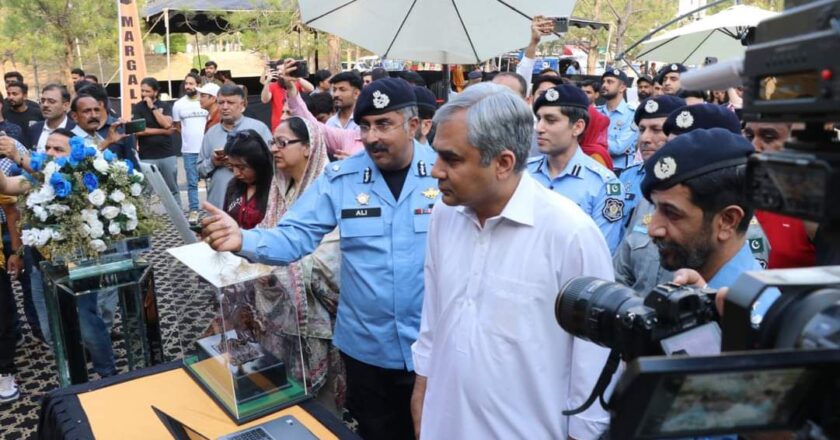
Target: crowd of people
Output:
[(426, 245)]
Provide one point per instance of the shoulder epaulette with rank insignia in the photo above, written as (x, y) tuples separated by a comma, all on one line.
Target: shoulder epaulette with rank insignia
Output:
[(341, 168)]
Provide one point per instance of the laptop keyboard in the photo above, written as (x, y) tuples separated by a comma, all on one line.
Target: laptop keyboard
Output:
[(254, 434)]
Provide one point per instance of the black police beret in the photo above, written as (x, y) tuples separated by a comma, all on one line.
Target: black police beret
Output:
[(425, 98), (694, 154), (692, 117), (658, 107), (383, 96), (668, 68), (616, 73), (563, 95)]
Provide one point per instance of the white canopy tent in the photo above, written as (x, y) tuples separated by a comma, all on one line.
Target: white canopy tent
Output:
[(718, 35)]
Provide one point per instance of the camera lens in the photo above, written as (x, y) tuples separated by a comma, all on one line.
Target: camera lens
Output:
[(590, 308)]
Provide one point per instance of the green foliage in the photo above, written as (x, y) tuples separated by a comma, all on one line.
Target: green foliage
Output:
[(198, 61), (177, 43)]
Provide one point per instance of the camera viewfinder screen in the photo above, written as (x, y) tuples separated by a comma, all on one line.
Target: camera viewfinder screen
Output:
[(789, 86), (720, 401)]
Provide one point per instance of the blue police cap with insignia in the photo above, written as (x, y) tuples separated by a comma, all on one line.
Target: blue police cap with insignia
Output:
[(564, 95), (383, 96), (658, 107), (425, 98), (616, 73), (694, 154), (692, 117)]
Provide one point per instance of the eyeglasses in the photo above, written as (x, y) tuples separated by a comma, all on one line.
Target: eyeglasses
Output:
[(380, 127), (283, 143)]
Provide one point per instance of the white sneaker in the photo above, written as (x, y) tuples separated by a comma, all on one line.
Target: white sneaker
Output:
[(8, 389), (193, 218)]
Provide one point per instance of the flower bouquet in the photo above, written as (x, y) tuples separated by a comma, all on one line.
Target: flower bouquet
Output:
[(79, 205)]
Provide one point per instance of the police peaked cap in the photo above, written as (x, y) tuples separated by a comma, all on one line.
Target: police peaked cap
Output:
[(564, 95), (692, 117), (658, 107), (616, 73), (694, 154), (383, 96)]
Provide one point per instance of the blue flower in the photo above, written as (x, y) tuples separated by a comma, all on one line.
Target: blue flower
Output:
[(77, 153), (90, 151), (130, 166), (109, 155), (60, 161), (77, 142), (61, 185), (36, 161), (90, 181)]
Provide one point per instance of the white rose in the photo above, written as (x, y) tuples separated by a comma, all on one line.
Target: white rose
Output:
[(129, 210), (98, 245), (97, 230), (57, 236), (56, 209), (114, 228), (33, 199), (29, 237), (85, 230), (110, 212), (100, 164), (44, 236), (136, 189), (131, 224), (119, 165), (97, 197), (89, 215), (117, 196), (139, 175), (47, 192), (49, 169), (40, 212)]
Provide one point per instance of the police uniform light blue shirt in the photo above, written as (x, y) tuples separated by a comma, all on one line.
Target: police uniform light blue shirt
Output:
[(382, 240), (622, 134), (592, 186), (631, 181), (382, 243)]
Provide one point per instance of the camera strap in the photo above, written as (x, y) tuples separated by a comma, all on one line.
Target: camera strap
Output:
[(603, 381)]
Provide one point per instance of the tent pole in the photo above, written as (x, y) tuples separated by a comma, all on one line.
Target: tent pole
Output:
[(447, 79), (168, 52)]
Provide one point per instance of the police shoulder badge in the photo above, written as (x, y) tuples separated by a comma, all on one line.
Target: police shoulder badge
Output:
[(651, 106), (363, 198), (431, 193), (552, 95), (380, 100), (613, 209), (665, 168), (684, 119)]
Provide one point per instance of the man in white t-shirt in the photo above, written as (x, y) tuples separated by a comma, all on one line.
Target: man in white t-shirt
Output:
[(189, 119)]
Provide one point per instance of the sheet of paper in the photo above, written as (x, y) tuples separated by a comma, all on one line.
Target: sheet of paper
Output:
[(220, 269)]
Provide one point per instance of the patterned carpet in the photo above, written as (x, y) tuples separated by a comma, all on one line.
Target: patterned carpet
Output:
[(178, 295)]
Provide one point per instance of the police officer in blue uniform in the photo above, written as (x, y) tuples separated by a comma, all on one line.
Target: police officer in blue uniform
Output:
[(381, 201), (622, 134), (669, 77), (562, 115), (649, 118), (426, 107)]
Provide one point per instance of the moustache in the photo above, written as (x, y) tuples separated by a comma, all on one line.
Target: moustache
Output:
[(376, 148), (93, 121)]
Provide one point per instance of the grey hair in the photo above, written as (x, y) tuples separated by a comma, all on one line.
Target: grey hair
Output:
[(408, 112), (497, 120)]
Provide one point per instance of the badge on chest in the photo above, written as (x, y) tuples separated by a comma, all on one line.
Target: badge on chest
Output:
[(361, 212)]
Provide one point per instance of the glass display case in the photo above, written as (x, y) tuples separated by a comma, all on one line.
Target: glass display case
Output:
[(71, 284), (247, 354)]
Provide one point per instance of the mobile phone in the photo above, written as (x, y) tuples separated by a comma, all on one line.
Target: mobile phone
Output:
[(709, 61), (135, 126), (272, 70), (561, 24), (302, 70)]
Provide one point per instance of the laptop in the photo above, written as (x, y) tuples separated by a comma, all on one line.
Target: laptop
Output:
[(155, 180), (283, 428)]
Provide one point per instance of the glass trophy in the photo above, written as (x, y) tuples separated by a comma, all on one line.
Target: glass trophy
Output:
[(248, 357)]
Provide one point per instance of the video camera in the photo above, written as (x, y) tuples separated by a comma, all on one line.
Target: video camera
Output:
[(790, 73), (793, 382)]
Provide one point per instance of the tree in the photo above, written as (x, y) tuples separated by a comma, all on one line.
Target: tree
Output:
[(48, 30)]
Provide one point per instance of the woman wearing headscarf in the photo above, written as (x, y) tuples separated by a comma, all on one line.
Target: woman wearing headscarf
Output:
[(311, 284)]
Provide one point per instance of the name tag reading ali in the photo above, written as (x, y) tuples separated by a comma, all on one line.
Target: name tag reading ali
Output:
[(361, 212)]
